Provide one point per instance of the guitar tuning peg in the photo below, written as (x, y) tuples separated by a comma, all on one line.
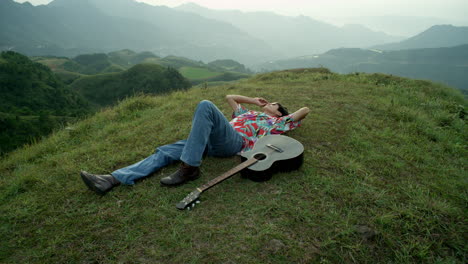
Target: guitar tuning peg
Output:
[(193, 205), (198, 201), (188, 208)]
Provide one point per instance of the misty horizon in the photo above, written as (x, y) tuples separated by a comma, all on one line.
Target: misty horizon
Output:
[(397, 18)]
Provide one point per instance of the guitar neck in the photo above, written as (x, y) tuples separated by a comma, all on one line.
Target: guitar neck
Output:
[(227, 174)]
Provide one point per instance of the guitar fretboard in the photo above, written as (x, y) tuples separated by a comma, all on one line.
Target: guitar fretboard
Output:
[(227, 174)]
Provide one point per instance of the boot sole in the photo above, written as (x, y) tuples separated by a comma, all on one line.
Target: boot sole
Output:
[(90, 184)]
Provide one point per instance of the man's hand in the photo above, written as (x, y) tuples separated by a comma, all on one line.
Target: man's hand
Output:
[(260, 101), (300, 114), (234, 100)]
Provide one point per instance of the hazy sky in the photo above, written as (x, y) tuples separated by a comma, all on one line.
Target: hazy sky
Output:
[(448, 9), (338, 8), (341, 12)]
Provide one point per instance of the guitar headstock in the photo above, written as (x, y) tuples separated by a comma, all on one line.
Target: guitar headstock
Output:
[(189, 201)]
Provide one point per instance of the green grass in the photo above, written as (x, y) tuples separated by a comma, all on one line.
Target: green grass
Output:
[(53, 63), (384, 181), (152, 60), (194, 73)]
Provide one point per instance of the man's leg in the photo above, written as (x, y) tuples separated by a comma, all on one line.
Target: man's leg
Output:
[(210, 131), (164, 156)]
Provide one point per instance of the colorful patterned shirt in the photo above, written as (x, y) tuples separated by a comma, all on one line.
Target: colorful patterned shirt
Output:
[(252, 125)]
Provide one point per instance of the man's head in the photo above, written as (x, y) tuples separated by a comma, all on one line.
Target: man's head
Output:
[(275, 109)]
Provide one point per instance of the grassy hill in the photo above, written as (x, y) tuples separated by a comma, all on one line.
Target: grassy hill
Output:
[(384, 181), (107, 89), (70, 70), (199, 72), (88, 64)]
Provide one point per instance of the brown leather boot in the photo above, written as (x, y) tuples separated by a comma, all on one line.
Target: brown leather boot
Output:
[(99, 183), (182, 175)]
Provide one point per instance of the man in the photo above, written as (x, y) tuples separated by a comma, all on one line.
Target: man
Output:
[(211, 134)]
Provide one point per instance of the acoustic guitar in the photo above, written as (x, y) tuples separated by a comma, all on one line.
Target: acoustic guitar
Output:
[(270, 154)]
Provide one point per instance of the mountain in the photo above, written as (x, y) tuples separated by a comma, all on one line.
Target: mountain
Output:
[(228, 65), (128, 57), (446, 65), (200, 38), (30, 87), (96, 63), (435, 37), (405, 26), (72, 27), (70, 70), (383, 181), (294, 36), (107, 89), (33, 101)]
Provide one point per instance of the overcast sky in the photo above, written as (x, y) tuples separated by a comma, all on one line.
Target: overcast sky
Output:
[(338, 11), (448, 9), (339, 8)]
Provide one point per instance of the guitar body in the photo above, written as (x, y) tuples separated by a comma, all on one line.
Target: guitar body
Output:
[(291, 157)]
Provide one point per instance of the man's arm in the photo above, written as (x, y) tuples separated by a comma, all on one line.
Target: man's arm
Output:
[(234, 100), (300, 114)]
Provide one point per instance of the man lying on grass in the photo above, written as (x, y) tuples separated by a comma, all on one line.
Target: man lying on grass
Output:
[(211, 134)]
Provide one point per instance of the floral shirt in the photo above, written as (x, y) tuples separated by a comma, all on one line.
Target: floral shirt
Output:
[(252, 125)]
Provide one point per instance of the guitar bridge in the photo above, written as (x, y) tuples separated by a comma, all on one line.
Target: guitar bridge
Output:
[(274, 148)]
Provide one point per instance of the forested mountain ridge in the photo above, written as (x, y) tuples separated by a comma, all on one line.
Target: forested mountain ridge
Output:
[(294, 36), (107, 89), (33, 101), (73, 27), (69, 70), (28, 87)]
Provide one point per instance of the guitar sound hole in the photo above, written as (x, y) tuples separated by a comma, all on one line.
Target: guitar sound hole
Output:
[(260, 156)]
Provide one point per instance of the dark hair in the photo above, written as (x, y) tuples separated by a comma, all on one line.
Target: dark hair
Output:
[(283, 110)]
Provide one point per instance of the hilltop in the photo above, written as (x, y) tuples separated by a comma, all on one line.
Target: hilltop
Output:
[(383, 181)]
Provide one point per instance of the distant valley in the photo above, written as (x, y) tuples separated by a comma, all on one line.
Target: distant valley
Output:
[(444, 65)]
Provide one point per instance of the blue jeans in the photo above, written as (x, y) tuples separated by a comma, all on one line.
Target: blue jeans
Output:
[(211, 132)]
